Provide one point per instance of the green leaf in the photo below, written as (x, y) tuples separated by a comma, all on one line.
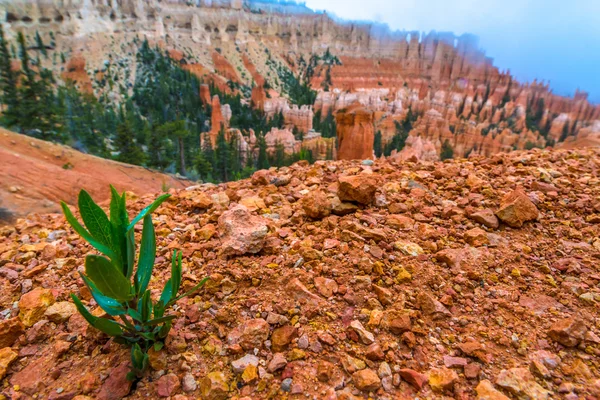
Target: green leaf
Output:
[(167, 293), (147, 256), (119, 222), (145, 306), (161, 320), (148, 210), (175, 273), (159, 309), (104, 325), (95, 219), (118, 212), (108, 279), (110, 305), (137, 357), (134, 314), (189, 292), (130, 240), (84, 233), (164, 330), (148, 336), (158, 346)]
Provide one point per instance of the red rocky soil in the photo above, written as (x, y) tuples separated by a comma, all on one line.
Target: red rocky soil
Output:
[(36, 175), (406, 285)]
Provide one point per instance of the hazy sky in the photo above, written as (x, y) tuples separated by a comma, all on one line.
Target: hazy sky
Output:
[(555, 40)]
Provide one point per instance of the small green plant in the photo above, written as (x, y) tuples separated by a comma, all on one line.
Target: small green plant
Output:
[(141, 323)]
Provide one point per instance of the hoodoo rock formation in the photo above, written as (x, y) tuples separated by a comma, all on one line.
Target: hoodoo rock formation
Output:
[(355, 133)]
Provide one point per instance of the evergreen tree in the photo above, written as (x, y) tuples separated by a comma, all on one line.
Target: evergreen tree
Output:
[(279, 155), (206, 164), (157, 148), (377, 144), (203, 166), (263, 160), (565, 132), (129, 151), (177, 132), (447, 152), (223, 156), (29, 118), (8, 84), (39, 43)]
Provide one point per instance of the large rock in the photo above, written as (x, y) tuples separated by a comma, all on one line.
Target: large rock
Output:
[(282, 337), (486, 391), (116, 386), (316, 205), (516, 208), (521, 383), (214, 386), (366, 380), (569, 332), (7, 356), (442, 379), (34, 304), (250, 334), (242, 232), (359, 188), (60, 312), (168, 385), (10, 330)]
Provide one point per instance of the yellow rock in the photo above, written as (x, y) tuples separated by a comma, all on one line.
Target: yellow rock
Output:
[(403, 276), (34, 304), (296, 354), (408, 248), (7, 356), (250, 374)]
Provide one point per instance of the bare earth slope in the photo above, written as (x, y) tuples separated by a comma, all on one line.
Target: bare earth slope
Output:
[(418, 292), (37, 175)]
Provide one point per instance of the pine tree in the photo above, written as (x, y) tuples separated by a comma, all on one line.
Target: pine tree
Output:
[(263, 160), (28, 110), (203, 166), (223, 156), (447, 152), (279, 155), (40, 44), (8, 84), (129, 151), (177, 131), (565, 132), (377, 144)]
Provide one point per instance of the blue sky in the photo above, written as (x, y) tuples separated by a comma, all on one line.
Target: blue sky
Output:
[(553, 40)]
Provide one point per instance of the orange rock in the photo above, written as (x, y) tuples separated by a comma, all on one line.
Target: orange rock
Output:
[(10, 329), (366, 380), (359, 188), (516, 208), (355, 133), (569, 332), (34, 304), (316, 205), (205, 94)]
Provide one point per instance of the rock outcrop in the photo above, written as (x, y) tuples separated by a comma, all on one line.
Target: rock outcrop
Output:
[(355, 133)]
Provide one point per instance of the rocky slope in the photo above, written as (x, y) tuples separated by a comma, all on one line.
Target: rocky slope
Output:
[(37, 175), (457, 93), (468, 279)]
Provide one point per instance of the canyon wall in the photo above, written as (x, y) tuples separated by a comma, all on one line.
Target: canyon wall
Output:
[(456, 93)]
